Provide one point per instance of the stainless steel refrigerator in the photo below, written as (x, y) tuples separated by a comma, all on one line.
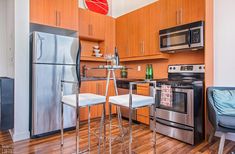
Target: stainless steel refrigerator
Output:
[(53, 58)]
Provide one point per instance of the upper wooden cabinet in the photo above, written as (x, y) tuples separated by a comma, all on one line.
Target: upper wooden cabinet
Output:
[(91, 25), (55, 13), (110, 37), (178, 12), (122, 36)]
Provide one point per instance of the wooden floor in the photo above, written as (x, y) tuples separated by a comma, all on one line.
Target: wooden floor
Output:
[(141, 144)]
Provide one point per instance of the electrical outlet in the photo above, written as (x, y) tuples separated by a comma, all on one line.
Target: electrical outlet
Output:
[(139, 68)]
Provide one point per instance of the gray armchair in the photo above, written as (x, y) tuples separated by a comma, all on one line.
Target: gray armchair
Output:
[(224, 124)]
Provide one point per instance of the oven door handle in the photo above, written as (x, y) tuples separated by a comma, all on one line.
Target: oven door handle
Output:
[(169, 125), (189, 37)]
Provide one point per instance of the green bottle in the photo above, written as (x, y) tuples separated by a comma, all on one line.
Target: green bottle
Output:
[(147, 72), (151, 72)]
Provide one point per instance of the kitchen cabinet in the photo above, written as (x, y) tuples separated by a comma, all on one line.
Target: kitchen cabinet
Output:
[(178, 12), (197, 10), (154, 27), (110, 38), (95, 87), (122, 36), (143, 113), (55, 13), (91, 25), (37, 13)]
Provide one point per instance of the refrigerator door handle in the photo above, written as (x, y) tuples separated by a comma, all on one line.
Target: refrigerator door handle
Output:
[(41, 39), (78, 64)]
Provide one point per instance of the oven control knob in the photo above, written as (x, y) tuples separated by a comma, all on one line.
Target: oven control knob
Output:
[(173, 68), (200, 67), (170, 68)]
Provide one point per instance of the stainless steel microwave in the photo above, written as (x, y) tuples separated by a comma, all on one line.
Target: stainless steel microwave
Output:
[(183, 37)]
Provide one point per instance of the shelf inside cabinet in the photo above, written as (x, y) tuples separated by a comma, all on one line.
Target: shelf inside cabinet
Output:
[(151, 57), (90, 58)]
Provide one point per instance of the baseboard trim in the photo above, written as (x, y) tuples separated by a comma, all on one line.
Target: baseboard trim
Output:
[(19, 136), (229, 136)]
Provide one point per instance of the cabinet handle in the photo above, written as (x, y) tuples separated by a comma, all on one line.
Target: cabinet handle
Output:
[(91, 30), (56, 18), (143, 47), (59, 23), (177, 17), (181, 16)]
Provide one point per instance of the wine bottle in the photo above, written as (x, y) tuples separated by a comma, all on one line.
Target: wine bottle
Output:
[(117, 56), (147, 72), (151, 72)]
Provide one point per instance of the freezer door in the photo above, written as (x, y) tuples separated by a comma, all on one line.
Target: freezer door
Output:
[(45, 49), (69, 46), (54, 49)]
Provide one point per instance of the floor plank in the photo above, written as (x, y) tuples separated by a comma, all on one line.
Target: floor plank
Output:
[(141, 143)]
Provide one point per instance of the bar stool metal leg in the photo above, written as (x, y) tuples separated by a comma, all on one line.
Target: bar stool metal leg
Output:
[(110, 128), (104, 125), (100, 130), (130, 131), (62, 124), (89, 128), (77, 122), (154, 131)]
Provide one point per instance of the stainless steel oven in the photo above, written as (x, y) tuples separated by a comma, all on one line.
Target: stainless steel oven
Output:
[(189, 36), (183, 119)]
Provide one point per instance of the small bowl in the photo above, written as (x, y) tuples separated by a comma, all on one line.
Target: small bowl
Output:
[(96, 47)]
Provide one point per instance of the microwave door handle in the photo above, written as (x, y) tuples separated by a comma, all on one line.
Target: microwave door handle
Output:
[(189, 37)]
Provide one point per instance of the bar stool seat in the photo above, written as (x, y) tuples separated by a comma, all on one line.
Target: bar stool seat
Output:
[(137, 100), (85, 99)]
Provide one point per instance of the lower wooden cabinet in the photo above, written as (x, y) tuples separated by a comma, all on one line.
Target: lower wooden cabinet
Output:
[(143, 113), (96, 87)]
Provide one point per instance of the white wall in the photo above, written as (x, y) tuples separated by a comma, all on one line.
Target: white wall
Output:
[(21, 13), (6, 45), (224, 32), (120, 7), (224, 21)]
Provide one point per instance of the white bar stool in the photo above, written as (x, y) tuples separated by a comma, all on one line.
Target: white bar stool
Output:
[(78, 101), (132, 102)]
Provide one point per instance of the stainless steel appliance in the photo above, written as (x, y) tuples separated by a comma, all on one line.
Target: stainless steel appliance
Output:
[(53, 58), (184, 120), (189, 36), (123, 88)]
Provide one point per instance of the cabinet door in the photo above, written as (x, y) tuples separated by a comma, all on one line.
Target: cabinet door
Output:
[(97, 22), (197, 10), (163, 23), (110, 37), (122, 36), (37, 13), (143, 30), (68, 14), (84, 23), (51, 13), (154, 28), (133, 40), (173, 12), (184, 12)]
